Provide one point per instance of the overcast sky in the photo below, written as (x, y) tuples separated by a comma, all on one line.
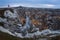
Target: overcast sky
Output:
[(32, 3)]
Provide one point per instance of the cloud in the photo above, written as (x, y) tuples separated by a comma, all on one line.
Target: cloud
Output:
[(32, 3)]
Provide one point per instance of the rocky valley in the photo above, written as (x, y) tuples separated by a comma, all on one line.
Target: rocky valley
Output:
[(27, 22)]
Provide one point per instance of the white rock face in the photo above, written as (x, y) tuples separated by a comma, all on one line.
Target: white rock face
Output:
[(3, 20), (9, 14), (30, 35), (6, 30), (46, 32)]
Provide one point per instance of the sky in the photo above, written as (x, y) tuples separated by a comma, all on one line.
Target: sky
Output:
[(31, 3)]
